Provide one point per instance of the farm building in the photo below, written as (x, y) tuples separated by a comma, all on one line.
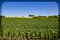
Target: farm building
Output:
[(31, 16)]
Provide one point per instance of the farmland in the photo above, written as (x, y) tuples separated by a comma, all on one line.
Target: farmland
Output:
[(30, 28)]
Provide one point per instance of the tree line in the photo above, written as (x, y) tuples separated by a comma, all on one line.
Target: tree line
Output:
[(54, 16)]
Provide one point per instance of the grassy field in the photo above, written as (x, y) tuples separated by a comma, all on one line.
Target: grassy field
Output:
[(30, 28)]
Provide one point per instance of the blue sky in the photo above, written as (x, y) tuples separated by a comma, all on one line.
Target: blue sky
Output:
[(26, 8)]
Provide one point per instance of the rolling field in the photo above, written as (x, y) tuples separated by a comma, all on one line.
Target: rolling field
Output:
[(30, 28)]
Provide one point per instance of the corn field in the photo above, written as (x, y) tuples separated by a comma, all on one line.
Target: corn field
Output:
[(30, 28)]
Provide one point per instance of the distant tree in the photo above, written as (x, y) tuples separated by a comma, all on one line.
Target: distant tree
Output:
[(54, 16), (59, 26), (22, 16), (40, 17), (1, 31), (2, 16), (59, 16)]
